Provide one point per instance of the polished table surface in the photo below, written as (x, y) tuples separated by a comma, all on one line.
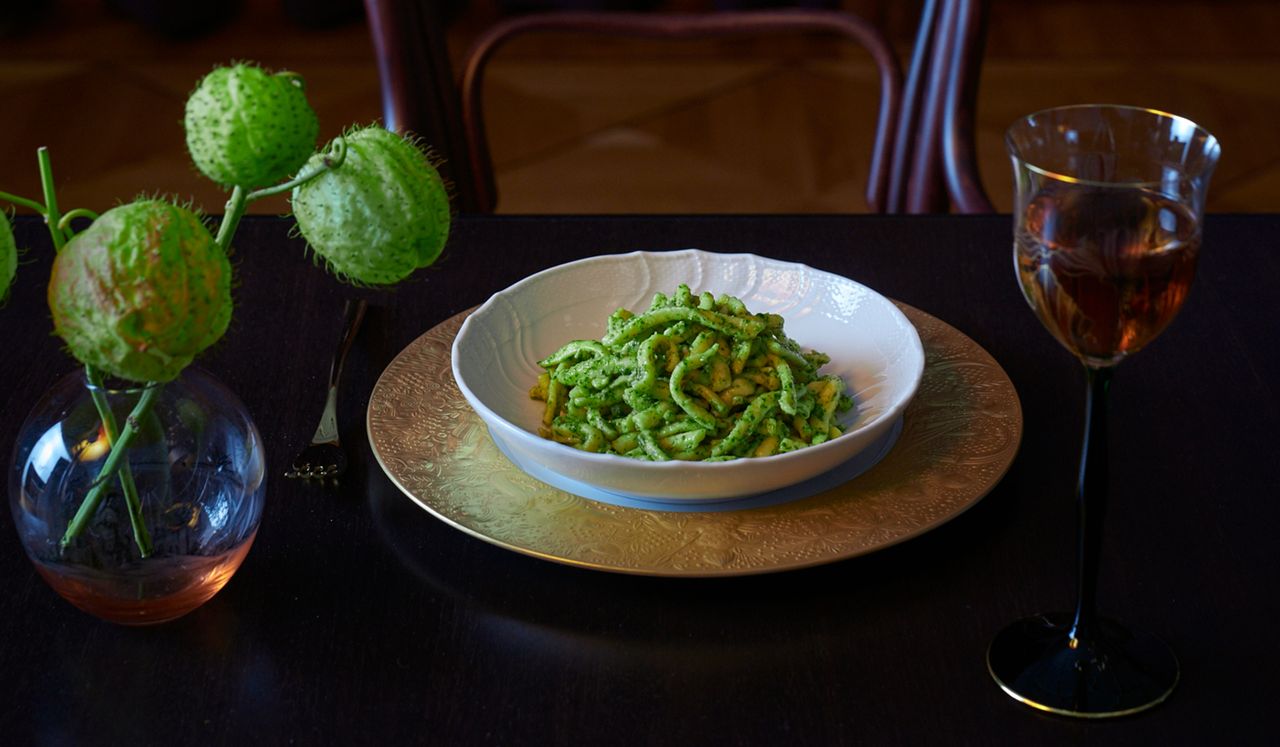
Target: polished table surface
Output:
[(358, 617)]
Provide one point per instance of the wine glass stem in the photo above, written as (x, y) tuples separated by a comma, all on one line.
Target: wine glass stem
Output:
[(1092, 491)]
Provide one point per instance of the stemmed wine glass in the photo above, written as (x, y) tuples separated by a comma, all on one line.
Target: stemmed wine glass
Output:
[(1107, 212)]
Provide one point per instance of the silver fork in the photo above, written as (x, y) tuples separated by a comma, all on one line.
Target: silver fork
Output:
[(323, 458)]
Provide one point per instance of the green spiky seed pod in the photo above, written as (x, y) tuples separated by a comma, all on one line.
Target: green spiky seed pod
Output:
[(380, 215), (247, 127), (141, 291), (8, 257)]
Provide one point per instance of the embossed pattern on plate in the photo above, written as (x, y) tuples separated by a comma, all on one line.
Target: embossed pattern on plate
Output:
[(960, 435)]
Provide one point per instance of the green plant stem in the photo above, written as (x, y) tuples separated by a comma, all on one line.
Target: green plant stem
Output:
[(140, 534), (231, 218), (331, 160), (51, 216), (64, 224), (119, 447), (24, 202), (240, 199)]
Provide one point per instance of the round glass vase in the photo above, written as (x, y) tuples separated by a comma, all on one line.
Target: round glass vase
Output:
[(189, 490)]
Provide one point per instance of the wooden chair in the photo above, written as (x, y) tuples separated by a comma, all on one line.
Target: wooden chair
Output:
[(913, 124)]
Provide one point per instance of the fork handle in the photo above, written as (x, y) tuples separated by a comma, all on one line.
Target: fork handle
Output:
[(353, 312), (327, 431)]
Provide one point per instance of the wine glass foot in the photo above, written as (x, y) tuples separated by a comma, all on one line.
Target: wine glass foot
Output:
[(1118, 672)]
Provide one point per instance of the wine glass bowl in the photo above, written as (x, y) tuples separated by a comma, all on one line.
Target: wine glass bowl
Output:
[(1106, 269), (1107, 211), (1108, 203)]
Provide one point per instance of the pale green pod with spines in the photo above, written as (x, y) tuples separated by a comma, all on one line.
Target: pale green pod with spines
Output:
[(247, 127), (141, 291), (380, 214)]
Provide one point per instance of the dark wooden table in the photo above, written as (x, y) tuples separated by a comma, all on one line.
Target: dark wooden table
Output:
[(359, 618)]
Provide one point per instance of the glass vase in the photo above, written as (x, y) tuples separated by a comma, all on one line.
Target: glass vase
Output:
[(170, 527)]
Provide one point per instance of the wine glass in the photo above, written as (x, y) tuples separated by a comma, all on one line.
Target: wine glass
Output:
[(1107, 212)]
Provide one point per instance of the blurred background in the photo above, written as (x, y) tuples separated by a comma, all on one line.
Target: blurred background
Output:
[(639, 127)]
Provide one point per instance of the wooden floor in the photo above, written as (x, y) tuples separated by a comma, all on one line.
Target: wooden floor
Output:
[(577, 128)]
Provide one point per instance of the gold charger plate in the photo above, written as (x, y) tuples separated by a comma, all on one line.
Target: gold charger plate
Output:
[(959, 436)]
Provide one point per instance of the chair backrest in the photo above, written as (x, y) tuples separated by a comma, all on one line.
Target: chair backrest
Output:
[(923, 148), (684, 26), (934, 161), (959, 152), (419, 94)]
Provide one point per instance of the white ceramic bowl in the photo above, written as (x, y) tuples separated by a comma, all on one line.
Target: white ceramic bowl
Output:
[(871, 344)]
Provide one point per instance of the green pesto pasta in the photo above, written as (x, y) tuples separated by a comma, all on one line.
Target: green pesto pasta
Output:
[(695, 377)]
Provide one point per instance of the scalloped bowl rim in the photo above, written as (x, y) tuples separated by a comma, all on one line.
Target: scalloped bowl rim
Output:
[(602, 470)]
